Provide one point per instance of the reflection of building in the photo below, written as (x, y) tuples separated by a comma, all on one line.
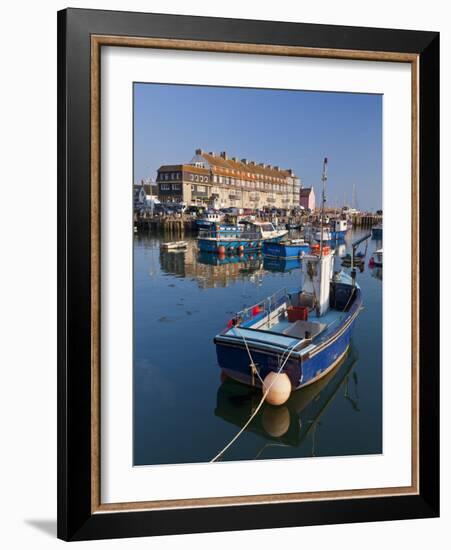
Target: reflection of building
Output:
[(221, 181), (207, 272), (307, 198)]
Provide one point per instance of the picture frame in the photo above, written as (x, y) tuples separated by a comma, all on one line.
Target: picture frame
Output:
[(81, 36)]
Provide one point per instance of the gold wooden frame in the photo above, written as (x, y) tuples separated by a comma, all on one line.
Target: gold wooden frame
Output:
[(97, 41)]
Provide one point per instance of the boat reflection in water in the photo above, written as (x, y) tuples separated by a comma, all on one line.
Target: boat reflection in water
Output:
[(209, 270), (292, 423), (250, 262), (376, 272), (281, 265), (254, 258)]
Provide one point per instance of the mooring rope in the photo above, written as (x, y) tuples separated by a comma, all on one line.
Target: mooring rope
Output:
[(252, 364), (259, 406)]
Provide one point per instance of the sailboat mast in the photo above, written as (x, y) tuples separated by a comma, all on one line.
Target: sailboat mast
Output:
[(323, 202)]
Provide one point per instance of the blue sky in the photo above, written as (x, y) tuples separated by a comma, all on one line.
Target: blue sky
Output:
[(291, 129)]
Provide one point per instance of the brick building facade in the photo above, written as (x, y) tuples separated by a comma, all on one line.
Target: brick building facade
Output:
[(220, 181)]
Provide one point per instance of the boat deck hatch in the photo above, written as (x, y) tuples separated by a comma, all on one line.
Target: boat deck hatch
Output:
[(298, 329)]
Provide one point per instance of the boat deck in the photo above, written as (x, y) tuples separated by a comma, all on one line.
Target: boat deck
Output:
[(286, 334), (315, 325)]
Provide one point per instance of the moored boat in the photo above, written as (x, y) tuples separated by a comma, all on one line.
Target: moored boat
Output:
[(295, 337), (301, 333), (209, 219), (174, 245), (335, 231), (244, 236), (287, 248)]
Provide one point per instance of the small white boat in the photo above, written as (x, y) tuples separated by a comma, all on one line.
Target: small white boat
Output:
[(378, 257), (174, 245)]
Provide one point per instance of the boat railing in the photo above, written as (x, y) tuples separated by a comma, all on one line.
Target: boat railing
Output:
[(238, 233), (265, 306)]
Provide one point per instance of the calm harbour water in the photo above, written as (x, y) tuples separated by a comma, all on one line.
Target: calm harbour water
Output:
[(185, 411)]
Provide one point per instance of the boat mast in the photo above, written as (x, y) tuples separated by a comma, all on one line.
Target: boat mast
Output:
[(323, 202), (354, 197)]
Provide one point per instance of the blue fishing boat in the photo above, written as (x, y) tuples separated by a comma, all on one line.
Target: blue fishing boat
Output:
[(302, 333), (376, 232), (243, 236), (294, 337), (292, 248)]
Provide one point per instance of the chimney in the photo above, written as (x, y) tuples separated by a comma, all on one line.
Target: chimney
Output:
[(224, 155), (199, 151), (244, 161)]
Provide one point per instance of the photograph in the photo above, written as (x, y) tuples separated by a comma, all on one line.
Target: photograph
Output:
[(257, 274)]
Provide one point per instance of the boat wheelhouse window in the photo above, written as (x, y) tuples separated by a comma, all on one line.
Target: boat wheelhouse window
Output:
[(267, 227)]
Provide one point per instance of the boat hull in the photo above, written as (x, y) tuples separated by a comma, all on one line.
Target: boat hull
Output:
[(280, 250), (301, 368), (231, 244)]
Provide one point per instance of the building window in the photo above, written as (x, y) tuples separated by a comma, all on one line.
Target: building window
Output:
[(191, 177), (201, 188), (165, 186), (176, 187)]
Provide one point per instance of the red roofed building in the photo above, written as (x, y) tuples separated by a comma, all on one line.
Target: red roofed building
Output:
[(220, 181)]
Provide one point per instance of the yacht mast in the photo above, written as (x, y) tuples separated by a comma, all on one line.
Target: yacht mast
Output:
[(323, 202)]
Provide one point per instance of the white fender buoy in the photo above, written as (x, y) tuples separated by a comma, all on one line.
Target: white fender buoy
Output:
[(279, 386), (276, 421)]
